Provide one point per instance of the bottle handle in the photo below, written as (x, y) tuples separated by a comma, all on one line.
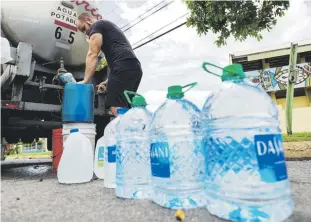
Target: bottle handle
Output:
[(213, 65), (126, 93), (191, 85)]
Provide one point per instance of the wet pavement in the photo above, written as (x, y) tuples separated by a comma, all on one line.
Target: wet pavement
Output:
[(32, 193)]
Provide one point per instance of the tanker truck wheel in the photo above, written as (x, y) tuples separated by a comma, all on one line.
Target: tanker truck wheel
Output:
[(31, 139), (49, 143), (2, 68), (101, 123), (11, 139), (28, 139)]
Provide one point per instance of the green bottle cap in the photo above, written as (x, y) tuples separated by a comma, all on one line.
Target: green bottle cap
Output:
[(138, 100), (233, 72), (230, 72), (177, 92)]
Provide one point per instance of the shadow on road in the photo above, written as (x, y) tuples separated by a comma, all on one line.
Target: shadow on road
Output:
[(30, 171)]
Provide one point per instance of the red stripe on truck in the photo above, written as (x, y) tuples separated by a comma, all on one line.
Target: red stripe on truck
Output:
[(65, 25)]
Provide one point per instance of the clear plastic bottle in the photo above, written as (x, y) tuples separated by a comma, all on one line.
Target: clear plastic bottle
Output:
[(76, 163), (246, 168), (133, 176), (176, 153), (99, 159), (67, 78), (110, 150)]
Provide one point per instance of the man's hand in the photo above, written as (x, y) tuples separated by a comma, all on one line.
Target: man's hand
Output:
[(83, 82), (101, 88)]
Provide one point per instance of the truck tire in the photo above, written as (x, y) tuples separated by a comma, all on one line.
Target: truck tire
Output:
[(11, 139), (101, 123), (49, 143), (28, 139)]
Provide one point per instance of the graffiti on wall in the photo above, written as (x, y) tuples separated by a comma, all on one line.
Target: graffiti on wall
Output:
[(275, 79)]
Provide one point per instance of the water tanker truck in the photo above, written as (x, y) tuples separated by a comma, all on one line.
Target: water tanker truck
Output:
[(44, 42)]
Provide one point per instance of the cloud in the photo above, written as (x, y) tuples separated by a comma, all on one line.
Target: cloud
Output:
[(176, 58)]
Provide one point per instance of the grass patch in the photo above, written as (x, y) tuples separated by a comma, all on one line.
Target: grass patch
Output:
[(36, 154), (297, 137)]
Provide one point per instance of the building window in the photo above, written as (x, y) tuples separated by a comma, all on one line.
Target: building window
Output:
[(249, 65), (307, 56), (278, 61), (281, 94), (299, 92)]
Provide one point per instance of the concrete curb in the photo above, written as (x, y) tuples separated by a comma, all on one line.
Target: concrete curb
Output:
[(297, 150), (298, 159)]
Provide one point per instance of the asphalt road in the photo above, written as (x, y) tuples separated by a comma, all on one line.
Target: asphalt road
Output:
[(32, 193)]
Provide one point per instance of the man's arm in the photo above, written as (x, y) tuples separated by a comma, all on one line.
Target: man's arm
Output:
[(95, 44)]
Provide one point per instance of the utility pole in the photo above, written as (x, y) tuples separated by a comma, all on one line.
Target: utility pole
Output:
[(292, 78)]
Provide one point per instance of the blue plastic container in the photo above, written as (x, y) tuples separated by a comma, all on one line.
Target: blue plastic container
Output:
[(78, 103)]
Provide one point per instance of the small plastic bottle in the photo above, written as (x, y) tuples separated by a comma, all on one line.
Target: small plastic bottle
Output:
[(67, 78)]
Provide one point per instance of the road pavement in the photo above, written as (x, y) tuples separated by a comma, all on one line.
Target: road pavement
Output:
[(32, 193)]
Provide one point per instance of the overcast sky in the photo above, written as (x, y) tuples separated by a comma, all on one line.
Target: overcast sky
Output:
[(176, 58)]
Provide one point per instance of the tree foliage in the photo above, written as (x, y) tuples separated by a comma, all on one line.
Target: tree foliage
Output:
[(239, 19)]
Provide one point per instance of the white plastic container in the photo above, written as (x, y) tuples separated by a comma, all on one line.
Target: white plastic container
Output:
[(99, 162), (87, 129), (76, 163)]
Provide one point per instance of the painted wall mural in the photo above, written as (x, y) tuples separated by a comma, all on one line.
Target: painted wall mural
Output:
[(275, 79)]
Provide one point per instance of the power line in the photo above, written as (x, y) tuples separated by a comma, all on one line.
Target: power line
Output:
[(113, 8), (147, 16), (151, 40), (161, 28), (142, 14), (111, 11), (136, 18)]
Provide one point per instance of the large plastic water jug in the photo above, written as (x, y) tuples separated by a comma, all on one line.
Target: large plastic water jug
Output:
[(246, 168), (133, 174), (78, 103), (176, 152), (76, 163), (110, 150), (99, 161)]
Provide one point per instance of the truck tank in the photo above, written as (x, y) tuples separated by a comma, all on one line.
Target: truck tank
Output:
[(50, 26)]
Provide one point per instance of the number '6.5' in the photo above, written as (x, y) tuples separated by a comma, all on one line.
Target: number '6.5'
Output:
[(58, 35)]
